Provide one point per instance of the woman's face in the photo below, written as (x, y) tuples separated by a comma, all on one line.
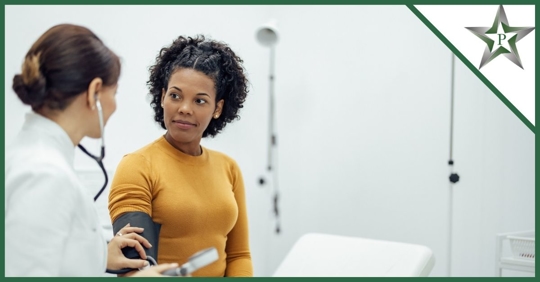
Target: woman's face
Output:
[(189, 104)]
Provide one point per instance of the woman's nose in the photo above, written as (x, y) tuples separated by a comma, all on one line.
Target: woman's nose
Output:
[(185, 108)]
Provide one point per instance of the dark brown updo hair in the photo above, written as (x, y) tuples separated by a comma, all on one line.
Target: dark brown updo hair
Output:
[(61, 64)]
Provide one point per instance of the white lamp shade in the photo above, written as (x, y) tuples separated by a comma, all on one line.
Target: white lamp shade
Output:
[(267, 34)]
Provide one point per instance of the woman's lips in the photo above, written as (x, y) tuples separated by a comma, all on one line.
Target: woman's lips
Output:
[(183, 124)]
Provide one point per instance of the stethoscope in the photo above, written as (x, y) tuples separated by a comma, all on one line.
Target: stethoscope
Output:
[(99, 159)]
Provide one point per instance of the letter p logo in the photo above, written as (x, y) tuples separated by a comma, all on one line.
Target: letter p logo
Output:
[(502, 36)]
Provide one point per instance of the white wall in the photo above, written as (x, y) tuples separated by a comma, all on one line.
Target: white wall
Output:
[(362, 113), (137, 33), (495, 157), (363, 117)]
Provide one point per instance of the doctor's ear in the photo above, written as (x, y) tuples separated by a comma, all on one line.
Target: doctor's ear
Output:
[(93, 92)]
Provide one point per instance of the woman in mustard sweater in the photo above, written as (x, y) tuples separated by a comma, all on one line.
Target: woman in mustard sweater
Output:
[(196, 194)]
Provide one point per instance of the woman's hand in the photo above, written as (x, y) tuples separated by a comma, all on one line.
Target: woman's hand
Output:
[(127, 237)]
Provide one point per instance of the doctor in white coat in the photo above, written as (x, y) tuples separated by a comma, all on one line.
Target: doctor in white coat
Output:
[(69, 78)]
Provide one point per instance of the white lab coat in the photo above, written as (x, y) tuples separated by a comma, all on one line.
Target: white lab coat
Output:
[(52, 226)]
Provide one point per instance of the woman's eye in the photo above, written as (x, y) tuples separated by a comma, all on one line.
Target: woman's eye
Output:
[(174, 96), (201, 101)]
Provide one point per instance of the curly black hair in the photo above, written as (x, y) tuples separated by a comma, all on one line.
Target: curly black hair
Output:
[(213, 58)]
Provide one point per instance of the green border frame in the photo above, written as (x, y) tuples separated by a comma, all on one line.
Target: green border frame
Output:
[(409, 4), (266, 2)]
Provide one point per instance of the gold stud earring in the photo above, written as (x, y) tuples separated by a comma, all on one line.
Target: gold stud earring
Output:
[(216, 116)]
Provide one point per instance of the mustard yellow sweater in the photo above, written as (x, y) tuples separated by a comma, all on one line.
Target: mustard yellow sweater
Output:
[(198, 200)]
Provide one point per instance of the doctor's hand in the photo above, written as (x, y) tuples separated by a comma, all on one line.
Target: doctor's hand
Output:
[(128, 229), (153, 271), (116, 259)]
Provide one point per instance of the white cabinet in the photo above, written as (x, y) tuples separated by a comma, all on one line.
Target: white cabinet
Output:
[(521, 245)]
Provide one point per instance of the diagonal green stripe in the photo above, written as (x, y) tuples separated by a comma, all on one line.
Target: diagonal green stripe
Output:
[(472, 68)]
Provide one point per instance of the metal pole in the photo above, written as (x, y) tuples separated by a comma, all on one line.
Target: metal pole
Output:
[(452, 107), (271, 134), (451, 163), (272, 160)]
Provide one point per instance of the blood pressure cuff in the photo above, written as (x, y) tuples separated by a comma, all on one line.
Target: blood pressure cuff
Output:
[(150, 233)]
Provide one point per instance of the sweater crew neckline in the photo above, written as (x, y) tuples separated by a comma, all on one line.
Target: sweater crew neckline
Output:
[(181, 156)]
